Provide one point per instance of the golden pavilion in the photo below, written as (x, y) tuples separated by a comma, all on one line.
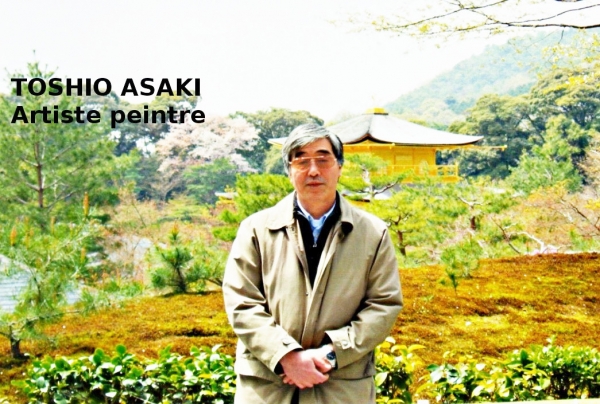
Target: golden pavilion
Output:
[(406, 146)]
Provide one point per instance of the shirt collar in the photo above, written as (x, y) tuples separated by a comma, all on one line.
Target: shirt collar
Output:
[(311, 219), (282, 214)]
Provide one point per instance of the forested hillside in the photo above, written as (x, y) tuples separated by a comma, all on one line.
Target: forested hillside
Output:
[(508, 69)]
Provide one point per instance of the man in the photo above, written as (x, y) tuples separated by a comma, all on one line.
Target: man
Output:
[(311, 287)]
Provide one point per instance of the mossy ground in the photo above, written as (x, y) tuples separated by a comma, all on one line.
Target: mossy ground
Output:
[(508, 304)]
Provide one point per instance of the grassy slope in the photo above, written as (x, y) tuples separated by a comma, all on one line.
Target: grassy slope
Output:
[(508, 304)]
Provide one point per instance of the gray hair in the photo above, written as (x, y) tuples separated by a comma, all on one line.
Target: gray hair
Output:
[(307, 134)]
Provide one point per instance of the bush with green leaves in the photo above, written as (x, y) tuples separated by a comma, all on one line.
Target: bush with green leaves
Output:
[(570, 372), (395, 365), (457, 383), (538, 373), (206, 376)]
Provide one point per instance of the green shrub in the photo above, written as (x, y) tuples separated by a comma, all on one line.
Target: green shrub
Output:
[(205, 377), (225, 233), (184, 268), (539, 373), (256, 192), (395, 366), (568, 373)]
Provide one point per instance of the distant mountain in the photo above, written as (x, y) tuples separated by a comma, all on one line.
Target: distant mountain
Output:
[(502, 69)]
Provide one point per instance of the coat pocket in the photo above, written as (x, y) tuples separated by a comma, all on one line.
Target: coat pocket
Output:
[(253, 367)]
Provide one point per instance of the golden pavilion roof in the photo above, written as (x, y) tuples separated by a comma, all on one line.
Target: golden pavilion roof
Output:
[(379, 127)]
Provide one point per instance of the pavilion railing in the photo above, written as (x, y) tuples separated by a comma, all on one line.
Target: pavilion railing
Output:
[(447, 172)]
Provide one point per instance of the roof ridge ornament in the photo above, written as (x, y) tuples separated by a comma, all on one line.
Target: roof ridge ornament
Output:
[(377, 111)]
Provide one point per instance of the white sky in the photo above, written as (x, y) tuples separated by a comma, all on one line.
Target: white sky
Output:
[(249, 55)]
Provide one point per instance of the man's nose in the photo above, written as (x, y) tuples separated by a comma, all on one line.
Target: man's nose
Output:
[(313, 169)]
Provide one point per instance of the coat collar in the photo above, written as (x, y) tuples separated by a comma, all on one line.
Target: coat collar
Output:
[(282, 214)]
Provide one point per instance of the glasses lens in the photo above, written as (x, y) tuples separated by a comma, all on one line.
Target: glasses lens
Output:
[(322, 162), (303, 164)]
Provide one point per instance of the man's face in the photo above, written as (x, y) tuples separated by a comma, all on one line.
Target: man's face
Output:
[(311, 179)]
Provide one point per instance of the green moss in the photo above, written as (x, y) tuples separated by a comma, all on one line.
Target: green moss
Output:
[(509, 304)]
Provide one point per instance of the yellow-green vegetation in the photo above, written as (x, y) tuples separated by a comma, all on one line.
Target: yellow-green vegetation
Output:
[(506, 305)]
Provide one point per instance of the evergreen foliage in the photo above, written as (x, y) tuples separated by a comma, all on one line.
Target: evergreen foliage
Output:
[(272, 124), (54, 264), (256, 192), (185, 269), (555, 120), (44, 166), (204, 181), (363, 178)]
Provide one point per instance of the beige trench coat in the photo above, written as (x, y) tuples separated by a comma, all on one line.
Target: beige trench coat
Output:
[(274, 310)]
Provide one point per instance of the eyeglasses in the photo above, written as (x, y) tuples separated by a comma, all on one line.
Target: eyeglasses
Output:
[(322, 162)]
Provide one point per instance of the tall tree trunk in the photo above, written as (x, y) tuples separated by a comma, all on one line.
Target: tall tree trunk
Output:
[(401, 245), (40, 177), (473, 222), (15, 348), (181, 282)]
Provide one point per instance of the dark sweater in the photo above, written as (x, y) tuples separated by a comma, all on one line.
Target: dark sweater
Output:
[(314, 250)]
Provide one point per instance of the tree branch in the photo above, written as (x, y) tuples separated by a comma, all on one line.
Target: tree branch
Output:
[(507, 237), (447, 21), (561, 13), (585, 217), (386, 187), (61, 197), (461, 8), (469, 204)]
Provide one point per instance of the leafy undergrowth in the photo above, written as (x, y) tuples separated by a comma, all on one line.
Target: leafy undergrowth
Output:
[(508, 304)]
